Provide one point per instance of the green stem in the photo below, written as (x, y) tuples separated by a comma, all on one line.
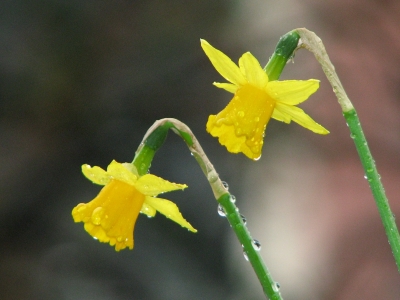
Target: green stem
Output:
[(371, 174), (153, 140), (313, 43), (283, 52), (151, 143), (270, 287)]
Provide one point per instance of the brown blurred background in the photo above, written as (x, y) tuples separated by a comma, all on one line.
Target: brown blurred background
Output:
[(81, 82)]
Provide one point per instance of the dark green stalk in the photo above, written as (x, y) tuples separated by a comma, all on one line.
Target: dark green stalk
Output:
[(250, 249), (283, 52), (153, 140), (374, 180), (313, 43)]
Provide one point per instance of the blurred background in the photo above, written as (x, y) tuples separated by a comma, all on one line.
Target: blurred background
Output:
[(82, 81)]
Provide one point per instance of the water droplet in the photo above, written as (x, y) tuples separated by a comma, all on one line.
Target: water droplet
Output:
[(255, 149), (240, 114), (256, 245), (256, 119), (221, 211), (233, 198), (244, 220), (370, 170), (97, 215), (212, 176), (219, 122), (365, 177), (245, 255), (238, 131), (226, 185), (353, 136), (276, 286), (120, 239)]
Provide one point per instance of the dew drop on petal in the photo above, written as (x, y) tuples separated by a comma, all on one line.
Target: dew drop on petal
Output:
[(97, 215), (240, 113), (81, 207), (238, 131), (221, 211), (256, 245)]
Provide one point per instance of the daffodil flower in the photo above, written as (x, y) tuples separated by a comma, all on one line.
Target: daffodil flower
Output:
[(240, 126), (111, 216)]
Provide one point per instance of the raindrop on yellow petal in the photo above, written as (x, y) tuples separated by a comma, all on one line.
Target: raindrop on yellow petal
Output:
[(97, 215), (238, 131), (240, 113), (80, 207)]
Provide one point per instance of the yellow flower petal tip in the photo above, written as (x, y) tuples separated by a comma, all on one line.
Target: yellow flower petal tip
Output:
[(111, 216), (241, 125)]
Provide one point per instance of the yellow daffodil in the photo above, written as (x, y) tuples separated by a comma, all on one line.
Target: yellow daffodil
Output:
[(240, 126), (111, 216)]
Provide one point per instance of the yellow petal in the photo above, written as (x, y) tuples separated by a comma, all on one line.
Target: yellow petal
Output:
[(241, 124), (292, 92), (223, 64), (151, 185), (277, 115), (170, 210), (96, 174), (131, 168), (231, 88), (255, 75), (299, 116), (233, 143), (111, 216), (120, 172), (148, 210)]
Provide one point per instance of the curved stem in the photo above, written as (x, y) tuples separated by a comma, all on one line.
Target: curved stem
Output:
[(271, 289), (313, 43)]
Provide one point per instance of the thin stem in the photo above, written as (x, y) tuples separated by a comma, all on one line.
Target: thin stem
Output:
[(271, 289), (250, 249), (313, 43), (375, 184)]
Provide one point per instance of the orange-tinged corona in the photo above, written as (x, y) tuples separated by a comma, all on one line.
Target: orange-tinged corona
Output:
[(241, 125), (111, 216)]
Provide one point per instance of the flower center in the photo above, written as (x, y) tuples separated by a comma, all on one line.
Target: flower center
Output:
[(250, 110)]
